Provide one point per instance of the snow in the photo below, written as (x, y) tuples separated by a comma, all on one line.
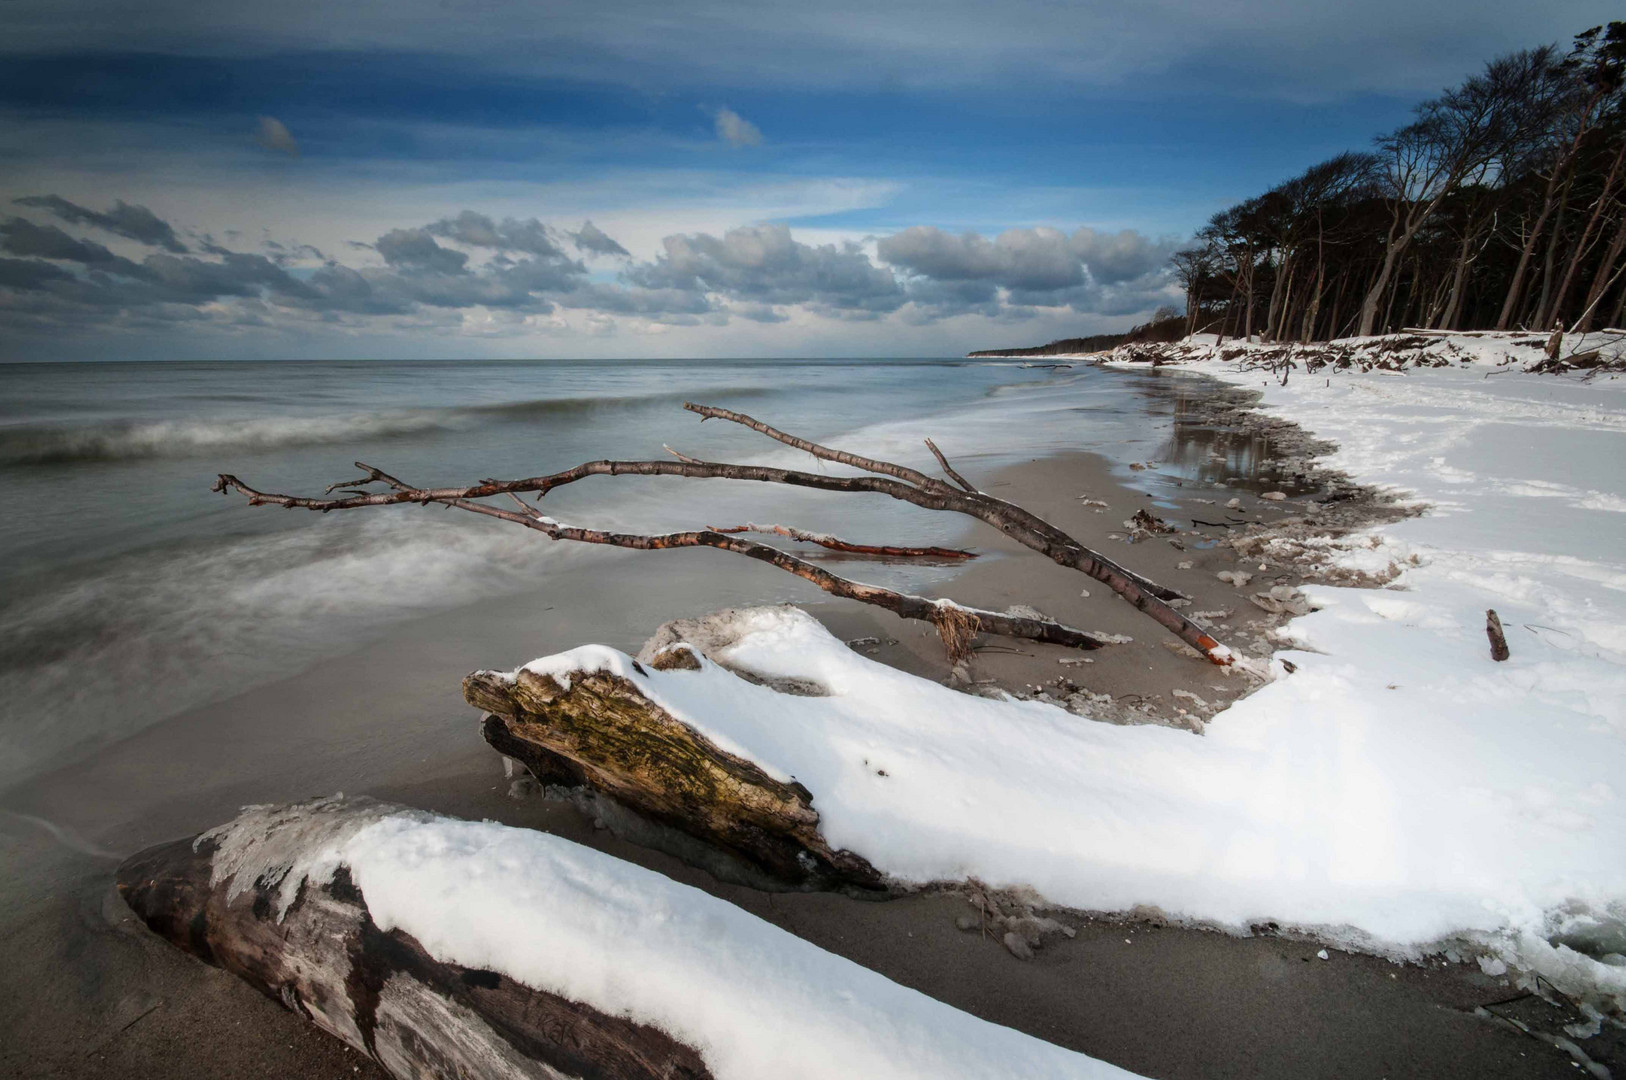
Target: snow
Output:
[(752, 999), (1400, 793)]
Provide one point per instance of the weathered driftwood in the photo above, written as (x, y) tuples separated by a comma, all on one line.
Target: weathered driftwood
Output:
[(1498, 640), (836, 543), (604, 733), (952, 620), (381, 992), (893, 480)]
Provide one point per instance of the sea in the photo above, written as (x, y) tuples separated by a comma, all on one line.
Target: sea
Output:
[(129, 591)]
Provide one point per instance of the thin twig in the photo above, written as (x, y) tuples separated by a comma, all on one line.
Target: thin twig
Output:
[(943, 461)]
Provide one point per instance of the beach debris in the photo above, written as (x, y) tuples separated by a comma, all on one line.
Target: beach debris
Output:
[(1234, 504), (870, 643), (1146, 521), (1085, 593), (1321, 954), (1097, 504), (248, 898), (883, 477), (1498, 640), (1282, 600), (1184, 564), (1238, 578), (597, 729), (1075, 661)]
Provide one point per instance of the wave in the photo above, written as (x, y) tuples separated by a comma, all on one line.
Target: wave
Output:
[(122, 440)]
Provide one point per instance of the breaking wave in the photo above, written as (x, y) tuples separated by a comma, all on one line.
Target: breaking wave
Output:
[(121, 440)]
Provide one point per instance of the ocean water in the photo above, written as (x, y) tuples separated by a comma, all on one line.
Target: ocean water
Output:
[(130, 592)]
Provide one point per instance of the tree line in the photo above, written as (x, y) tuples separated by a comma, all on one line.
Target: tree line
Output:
[(1501, 206)]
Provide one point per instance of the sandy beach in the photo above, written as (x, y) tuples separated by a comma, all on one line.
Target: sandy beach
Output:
[(88, 992)]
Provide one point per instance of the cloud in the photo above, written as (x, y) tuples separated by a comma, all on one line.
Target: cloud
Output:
[(1043, 267), (20, 236), (736, 130), (415, 249), (273, 134), (131, 222), (52, 282), (763, 263), (591, 238), (477, 230)]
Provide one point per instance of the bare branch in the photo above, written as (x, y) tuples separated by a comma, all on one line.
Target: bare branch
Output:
[(940, 613), (885, 468), (927, 492), (835, 543), (943, 461)]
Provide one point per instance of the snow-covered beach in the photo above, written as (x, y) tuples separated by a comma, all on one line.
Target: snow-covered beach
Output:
[(1109, 991)]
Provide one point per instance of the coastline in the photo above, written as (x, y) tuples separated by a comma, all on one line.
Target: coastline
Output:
[(387, 719)]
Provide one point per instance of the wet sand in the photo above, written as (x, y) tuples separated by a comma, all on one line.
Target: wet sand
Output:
[(85, 992)]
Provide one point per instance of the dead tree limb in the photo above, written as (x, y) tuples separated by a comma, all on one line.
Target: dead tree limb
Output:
[(948, 617), (943, 461), (895, 481), (1026, 528), (381, 991), (598, 729), (835, 543)]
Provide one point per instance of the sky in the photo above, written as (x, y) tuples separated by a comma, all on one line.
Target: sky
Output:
[(201, 179)]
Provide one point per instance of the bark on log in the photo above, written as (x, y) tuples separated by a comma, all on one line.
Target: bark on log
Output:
[(382, 992), (602, 732), (1498, 640)]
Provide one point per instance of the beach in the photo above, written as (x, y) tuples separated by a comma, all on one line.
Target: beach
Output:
[(387, 719)]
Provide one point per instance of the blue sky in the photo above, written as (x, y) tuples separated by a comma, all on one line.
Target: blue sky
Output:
[(413, 178)]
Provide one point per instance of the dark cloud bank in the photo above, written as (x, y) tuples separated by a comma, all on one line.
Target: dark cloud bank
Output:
[(54, 281)]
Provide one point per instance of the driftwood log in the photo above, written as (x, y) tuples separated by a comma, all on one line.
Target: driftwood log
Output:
[(896, 481), (382, 993), (603, 733), (1498, 639)]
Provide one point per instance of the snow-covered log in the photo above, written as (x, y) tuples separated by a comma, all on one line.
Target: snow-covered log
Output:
[(595, 727), (230, 898), (447, 948)]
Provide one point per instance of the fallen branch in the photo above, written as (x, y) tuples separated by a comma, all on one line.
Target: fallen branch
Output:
[(1026, 528), (905, 605), (895, 481), (835, 543)]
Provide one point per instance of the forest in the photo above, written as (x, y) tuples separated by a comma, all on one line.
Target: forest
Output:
[(1500, 206)]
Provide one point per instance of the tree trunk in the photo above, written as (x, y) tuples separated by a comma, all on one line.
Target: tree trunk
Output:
[(1544, 314), (1579, 249), (1600, 281), (1515, 287), (1380, 284), (382, 993), (600, 730)]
